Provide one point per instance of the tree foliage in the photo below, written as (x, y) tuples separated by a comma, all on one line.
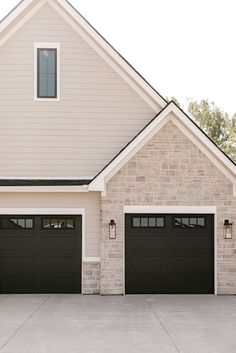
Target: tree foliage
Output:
[(216, 123)]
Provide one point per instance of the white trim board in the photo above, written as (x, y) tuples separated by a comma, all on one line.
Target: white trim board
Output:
[(47, 45), (94, 39), (170, 209), (178, 210), (170, 113), (50, 189)]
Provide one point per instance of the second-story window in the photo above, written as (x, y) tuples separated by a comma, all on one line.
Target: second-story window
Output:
[(46, 73)]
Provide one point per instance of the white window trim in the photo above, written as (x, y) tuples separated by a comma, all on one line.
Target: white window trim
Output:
[(49, 45), (176, 209)]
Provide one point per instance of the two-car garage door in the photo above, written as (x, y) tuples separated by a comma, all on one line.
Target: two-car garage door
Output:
[(40, 254), (168, 253)]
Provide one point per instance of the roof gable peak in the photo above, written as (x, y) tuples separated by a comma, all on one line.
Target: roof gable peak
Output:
[(10, 24)]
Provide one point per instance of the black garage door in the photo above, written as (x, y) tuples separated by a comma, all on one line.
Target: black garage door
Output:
[(40, 254), (169, 254)]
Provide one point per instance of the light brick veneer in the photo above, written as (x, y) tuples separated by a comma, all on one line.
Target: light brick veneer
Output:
[(91, 278), (169, 170)]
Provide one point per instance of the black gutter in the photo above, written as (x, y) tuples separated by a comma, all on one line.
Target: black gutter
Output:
[(40, 182)]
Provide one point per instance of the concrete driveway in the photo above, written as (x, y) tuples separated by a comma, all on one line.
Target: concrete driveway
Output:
[(131, 324)]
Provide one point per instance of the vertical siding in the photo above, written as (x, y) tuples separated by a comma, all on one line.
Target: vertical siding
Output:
[(89, 201), (97, 116)]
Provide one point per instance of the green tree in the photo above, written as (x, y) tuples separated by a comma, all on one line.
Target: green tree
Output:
[(216, 124)]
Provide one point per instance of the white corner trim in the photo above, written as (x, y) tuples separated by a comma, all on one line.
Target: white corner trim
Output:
[(171, 209), (42, 211), (19, 24), (91, 259), (47, 45), (39, 189)]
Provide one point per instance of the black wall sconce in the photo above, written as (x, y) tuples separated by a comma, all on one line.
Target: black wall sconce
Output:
[(228, 227), (112, 229)]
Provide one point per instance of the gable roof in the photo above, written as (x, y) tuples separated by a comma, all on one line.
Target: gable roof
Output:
[(92, 36), (187, 126)]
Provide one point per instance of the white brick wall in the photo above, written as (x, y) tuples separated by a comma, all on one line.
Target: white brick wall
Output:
[(169, 170)]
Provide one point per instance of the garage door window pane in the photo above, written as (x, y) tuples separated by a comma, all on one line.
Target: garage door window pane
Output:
[(144, 222), (58, 223), (201, 222), (193, 221), (70, 223), (160, 222), (152, 222), (29, 223), (136, 222), (16, 223), (189, 222), (21, 223)]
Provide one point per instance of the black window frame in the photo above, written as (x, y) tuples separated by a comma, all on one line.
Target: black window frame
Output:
[(17, 217), (38, 74), (189, 226), (148, 224), (58, 217)]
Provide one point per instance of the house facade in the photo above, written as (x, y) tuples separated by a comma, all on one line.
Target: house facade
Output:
[(105, 188)]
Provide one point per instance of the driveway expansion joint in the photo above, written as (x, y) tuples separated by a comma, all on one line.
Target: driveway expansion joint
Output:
[(165, 330), (24, 323)]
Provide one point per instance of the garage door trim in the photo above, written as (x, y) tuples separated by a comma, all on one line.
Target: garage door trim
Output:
[(178, 210), (56, 211)]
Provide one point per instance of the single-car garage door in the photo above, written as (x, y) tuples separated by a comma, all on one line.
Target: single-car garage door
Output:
[(40, 254), (169, 253)]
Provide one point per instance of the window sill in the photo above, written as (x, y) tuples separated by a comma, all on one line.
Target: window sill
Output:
[(47, 99)]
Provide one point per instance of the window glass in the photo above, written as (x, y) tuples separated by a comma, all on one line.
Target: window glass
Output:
[(21, 223), (28, 223), (47, 73), (160, 222), (70, 223), (193, 221), (16, 223), (54, 223), (152, 222), (144, 222), (136, 222), (58, 223), (189, 222), (201, 222)]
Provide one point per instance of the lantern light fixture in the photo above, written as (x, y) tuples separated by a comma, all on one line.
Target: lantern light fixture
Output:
[(228, 227), (112, 229)]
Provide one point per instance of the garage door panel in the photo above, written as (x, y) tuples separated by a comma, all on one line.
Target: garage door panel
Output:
[(55, 244), (19, 284), (179, 260), (19, 264), (26, 244), (143, 266), (169, 285), (60, 284), (146, 245), (190, 266), (190, 246), (60, 264), (40, 260)]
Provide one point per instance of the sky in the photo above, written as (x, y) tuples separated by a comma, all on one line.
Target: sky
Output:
[(184, 48)]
